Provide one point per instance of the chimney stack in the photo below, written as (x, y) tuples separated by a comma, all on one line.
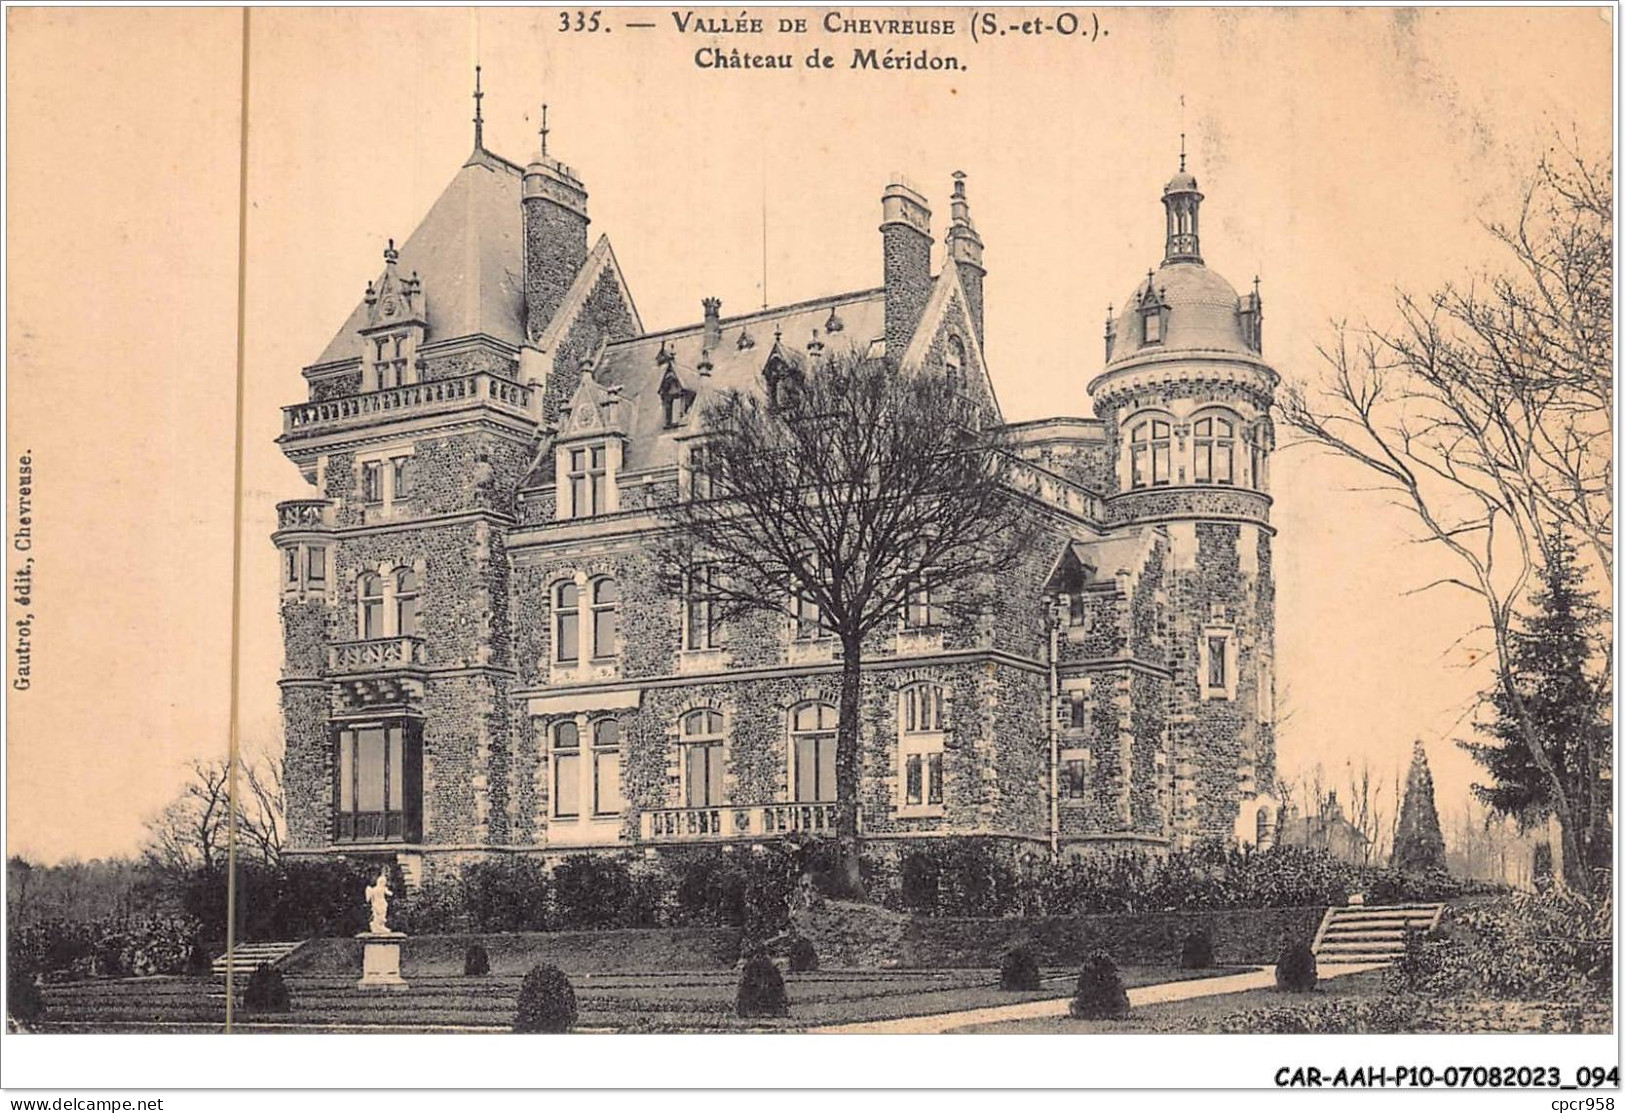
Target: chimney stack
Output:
[(905, 229), (965, 251), (713, 323)]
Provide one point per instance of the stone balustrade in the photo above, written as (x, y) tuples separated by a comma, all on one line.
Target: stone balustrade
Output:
[(481, 388), (375, 655), (730, 821), (304, 514)]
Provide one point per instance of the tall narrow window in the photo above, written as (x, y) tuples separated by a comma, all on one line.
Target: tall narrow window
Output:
[(290, 565), (1150, 454), (566, 769), (406, 602), (809, 618), (1258, 454), (812, 747), (920, 745), (1216, 665), (1074, 774), (315, 565), (371, 592), (701, 743), (401, 477), (587, 481), (921, 611), (372, 481), (953, 364), (700, 462), (1215, 451), (699, 610), (606, 618), (606, 767), (567, 623)]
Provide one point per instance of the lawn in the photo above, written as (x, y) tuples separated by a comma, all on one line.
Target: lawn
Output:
[(684, 1001), (1194, 1015)]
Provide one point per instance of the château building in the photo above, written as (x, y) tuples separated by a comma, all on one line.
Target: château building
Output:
[(483, 654)]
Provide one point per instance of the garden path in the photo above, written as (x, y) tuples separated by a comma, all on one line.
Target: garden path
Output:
[(1261, 978)]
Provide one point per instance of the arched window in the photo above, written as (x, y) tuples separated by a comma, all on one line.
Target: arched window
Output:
[(701, 742), (606, 767), (953, 364), (566, 769), (406, 602), (1215, 450), (1264, 828), (812, 750), (567, 623), (920, 745), (922, 708), (371, 593), (606, 617), (1150, 453)]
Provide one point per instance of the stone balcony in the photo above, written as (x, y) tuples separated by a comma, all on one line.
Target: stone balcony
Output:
[(437, 396), (375, 655), (304, 514), (731, 821)]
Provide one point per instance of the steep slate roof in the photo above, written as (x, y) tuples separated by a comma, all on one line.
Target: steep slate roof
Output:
[(632, 364), (469, 252)]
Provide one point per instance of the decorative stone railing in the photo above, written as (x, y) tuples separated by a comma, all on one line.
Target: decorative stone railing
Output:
[(1217, 501), (303, 514), (481, 388), (730, 821), (375, 655)]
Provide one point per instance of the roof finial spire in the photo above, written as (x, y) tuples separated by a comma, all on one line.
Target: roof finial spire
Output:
[(479, 120), (1181, 152), (544, 129)]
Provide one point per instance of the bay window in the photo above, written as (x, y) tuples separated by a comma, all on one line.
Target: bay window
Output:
[(378, 797)]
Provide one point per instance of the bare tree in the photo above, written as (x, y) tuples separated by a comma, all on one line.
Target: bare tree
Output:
[(190, 832), (1365, 808), (1486, 412), (846, 494)]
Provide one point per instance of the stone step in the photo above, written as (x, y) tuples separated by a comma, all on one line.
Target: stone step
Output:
[(1333, 935), (248, 956)]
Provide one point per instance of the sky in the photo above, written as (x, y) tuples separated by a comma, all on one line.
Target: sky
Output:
[(1345, 155)]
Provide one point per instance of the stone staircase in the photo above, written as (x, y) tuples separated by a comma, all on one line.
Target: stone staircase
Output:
[(245, 957), (1371, 933)]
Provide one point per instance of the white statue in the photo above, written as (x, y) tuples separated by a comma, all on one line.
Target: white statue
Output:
[(378, 897)]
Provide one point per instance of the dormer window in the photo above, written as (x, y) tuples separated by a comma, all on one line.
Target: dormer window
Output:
[(676, 408), (587, 478), (1153, 315), (1153, 328)]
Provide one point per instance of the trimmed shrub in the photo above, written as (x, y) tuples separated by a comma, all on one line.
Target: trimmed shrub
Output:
[(24, 1002), (803, 955), (1100, 994), (1019, 969), (1197, 952), (547, 1001), (266, 992), (590, 892), (1295, 970), (761, 989), (920, 883), (476, 962), (198, 960)]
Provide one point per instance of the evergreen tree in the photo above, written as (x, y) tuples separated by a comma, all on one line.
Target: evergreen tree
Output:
[(1559, 666), (1418, 843)]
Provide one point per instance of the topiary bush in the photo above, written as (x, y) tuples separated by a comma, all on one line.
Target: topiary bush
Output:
[(1100, 994), (547, 1001), (476, 962), (803, 955), (266, 992), (1295, 970), (761, 989), (1197, 952), (1019, 969)]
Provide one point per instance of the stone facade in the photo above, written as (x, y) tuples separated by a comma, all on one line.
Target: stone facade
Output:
[(484, 653)]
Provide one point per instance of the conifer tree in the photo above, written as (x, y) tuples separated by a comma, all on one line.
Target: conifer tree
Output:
[(1560, 666), (1419, 844)]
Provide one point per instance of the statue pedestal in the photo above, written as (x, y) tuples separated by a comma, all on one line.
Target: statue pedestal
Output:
[(381, 960)]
